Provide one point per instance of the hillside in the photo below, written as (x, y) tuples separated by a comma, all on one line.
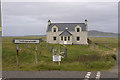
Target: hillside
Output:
[(94, 33)]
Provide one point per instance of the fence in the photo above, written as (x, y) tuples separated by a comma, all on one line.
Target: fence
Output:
[(61, 50)]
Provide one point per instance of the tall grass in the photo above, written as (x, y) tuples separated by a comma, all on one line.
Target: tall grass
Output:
[(79, 58)]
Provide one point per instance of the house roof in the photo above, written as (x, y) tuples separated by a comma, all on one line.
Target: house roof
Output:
[(65, 33), (70, 26)]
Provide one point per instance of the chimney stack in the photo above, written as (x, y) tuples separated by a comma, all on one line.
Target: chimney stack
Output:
[(86, 24), (86, 21), (49, 22)]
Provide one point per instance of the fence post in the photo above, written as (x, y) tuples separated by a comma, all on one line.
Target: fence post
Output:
[(51, 49), (40, 49), (59, 50), (65, 52), (59, 54), (53, 54), (59, 63), (48, 46)]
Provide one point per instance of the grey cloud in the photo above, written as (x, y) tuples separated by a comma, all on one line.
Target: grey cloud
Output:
[(27, 18)]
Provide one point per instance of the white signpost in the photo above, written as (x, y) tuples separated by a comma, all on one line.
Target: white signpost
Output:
[(56, 58), (26, 41), (22, 41)]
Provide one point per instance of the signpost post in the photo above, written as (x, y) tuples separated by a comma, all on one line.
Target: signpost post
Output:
[(26, 41), (17, 56), (36, 52)]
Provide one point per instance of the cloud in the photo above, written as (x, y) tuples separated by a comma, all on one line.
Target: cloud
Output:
[(60, 0), (30, 18)]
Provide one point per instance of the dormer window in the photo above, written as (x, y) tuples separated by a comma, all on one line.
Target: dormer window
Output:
[(78, 29), (54, 29)]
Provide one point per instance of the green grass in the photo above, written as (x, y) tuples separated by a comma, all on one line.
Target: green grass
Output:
[(79, 58)]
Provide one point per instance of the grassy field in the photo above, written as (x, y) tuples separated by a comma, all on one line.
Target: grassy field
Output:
[(94, 57)]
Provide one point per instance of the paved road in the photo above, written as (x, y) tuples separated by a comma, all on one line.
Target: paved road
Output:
[(59, 74)]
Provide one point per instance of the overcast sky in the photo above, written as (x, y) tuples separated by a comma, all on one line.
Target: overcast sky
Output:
[(30, 18)]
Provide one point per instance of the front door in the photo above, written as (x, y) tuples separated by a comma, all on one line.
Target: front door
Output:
[(65, 40)]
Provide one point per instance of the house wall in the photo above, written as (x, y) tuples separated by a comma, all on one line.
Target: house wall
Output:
[(50, 36), (83, 38), (68, 41)]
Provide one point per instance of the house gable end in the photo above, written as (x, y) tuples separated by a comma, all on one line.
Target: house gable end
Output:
[(65, 33)]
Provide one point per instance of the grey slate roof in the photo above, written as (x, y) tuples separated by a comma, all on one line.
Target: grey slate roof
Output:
[(70, 26), (66, 33)]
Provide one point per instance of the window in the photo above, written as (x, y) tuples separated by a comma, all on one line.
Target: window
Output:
[(65, 38), (78, 38), (68, 38), (78, 29), (54, 29), (61, 38), (54, 38)]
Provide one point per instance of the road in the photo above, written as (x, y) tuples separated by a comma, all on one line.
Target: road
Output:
[(60, 74)]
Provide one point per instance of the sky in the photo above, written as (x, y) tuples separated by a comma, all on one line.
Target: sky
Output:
[(31, 18)]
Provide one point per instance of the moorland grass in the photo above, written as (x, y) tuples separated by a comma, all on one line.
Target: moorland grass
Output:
[(94, 57)]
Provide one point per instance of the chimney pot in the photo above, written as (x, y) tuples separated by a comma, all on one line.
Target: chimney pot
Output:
[(86, 20), (49, 22)]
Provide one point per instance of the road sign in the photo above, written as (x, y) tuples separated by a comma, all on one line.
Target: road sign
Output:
[(29, 41), (26, 41), (56, 58)]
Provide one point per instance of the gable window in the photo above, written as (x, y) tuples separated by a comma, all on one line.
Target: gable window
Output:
[(65, 38), (54, 29), (78, 38), (78, 29), (68, 38), (54, 38), (61, 38)]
